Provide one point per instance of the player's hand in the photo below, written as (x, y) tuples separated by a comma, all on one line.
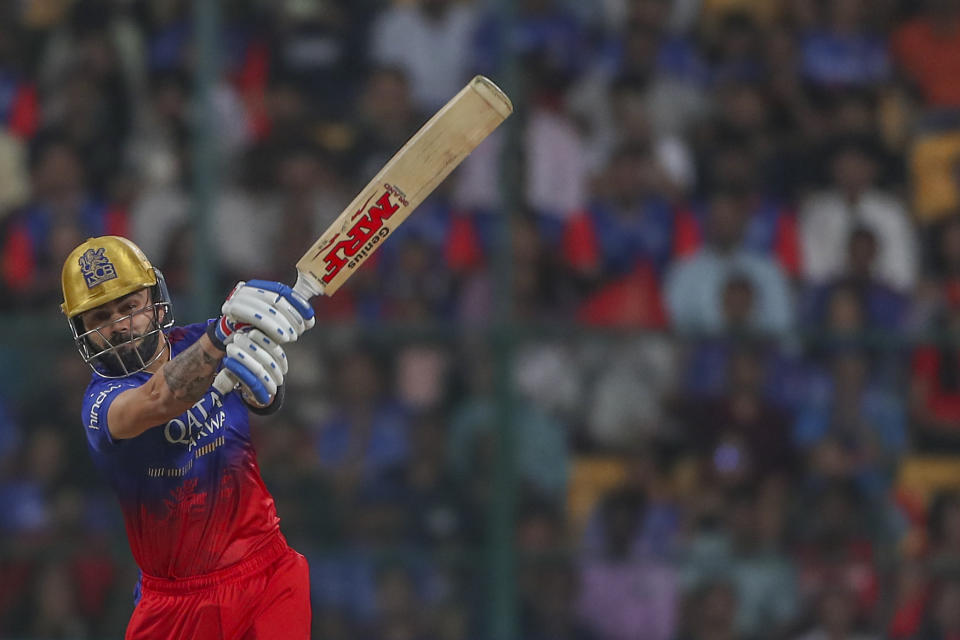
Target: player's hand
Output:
[(272, 307), (258, 362)]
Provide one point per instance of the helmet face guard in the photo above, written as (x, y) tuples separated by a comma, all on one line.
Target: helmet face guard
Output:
[(131, 355)]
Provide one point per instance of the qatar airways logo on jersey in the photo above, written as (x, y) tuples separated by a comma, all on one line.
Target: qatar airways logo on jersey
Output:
[(360, 240), (202, 420)]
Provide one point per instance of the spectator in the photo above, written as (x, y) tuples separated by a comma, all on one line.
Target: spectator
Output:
[(666, 69), (934, 398), (739, 436), (544, 30), (624, 119), (549, 582), (55, 607), (853, 199), (427, 489), (694, 286), (289, 465), (95, 65), (431, 41), (622, 596), (849, 420), (19, 104), (837, 618), (943, 250), (555, 177), (926, 49), (620, 246), (29, 497), (763, 575), (367, 432), (316, 46), (541, 443), (910, 598), (845, 51), (737, 163), (713, 612), (943, 528), (60, 214), (659, 534), (157, 146), (736, 48), (943, 617), (551, 612), (883, 308), (387, 117), (628, 397), (835, 549)]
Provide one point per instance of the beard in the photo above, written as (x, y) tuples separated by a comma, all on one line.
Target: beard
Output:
[(127, 357)]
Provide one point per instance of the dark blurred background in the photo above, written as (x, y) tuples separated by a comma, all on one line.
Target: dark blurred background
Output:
[(675, 355)]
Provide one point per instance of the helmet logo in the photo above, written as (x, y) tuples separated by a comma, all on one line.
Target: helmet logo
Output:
[(96, 267)]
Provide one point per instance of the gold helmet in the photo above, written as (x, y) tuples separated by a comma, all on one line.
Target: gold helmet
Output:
[(104, 269)]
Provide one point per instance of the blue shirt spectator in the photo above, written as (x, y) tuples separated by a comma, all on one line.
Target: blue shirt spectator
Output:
[(844, 52), (846, 409), (368, 432)]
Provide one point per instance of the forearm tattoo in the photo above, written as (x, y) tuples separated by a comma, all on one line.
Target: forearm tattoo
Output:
[(191, 373)]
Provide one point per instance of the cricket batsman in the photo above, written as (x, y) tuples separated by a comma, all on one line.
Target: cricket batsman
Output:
[(202, 526)]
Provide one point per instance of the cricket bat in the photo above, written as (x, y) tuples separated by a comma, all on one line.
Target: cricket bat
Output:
[(398, 188)]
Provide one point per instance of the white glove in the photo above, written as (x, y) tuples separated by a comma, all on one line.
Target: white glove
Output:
[(258, 362), (272, 307)]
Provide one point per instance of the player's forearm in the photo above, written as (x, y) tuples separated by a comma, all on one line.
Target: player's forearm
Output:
[(190, 374), (173, 389)]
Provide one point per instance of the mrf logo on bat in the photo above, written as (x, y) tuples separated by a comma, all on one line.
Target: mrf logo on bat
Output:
[(362, 237)]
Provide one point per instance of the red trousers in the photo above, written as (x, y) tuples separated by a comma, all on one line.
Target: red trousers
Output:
[(264, 597)]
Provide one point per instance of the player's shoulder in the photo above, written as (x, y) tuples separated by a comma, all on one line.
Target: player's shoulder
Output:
[(100, 394), (183, 336), (99, 385)]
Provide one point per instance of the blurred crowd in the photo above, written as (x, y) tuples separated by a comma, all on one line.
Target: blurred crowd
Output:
[(733, 260)]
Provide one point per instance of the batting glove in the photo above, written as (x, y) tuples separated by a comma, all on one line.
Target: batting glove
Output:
[(272, 307), (258, 362)]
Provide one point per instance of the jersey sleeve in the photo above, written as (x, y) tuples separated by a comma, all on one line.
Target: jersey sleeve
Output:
[(96, 404)]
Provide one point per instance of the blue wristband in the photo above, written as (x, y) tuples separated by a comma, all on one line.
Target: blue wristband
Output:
[(216, 335)]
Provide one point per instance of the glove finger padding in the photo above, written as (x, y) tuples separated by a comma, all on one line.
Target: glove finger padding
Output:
[(261, 343), (301, 304), (258, 362), (271, 313)]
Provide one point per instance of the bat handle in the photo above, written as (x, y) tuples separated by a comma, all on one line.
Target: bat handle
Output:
[(307, 287), (225, 381)]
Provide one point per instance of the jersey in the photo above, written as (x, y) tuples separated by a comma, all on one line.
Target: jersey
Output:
[(190, 489)]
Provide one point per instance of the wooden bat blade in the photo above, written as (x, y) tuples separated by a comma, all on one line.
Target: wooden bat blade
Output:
[(402, 184)]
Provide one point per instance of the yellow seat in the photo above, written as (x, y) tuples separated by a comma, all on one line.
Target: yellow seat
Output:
[(590, 478), (934, 161), (922, 476)]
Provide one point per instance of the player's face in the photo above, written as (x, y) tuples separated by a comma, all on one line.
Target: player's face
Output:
[(120, 320)]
